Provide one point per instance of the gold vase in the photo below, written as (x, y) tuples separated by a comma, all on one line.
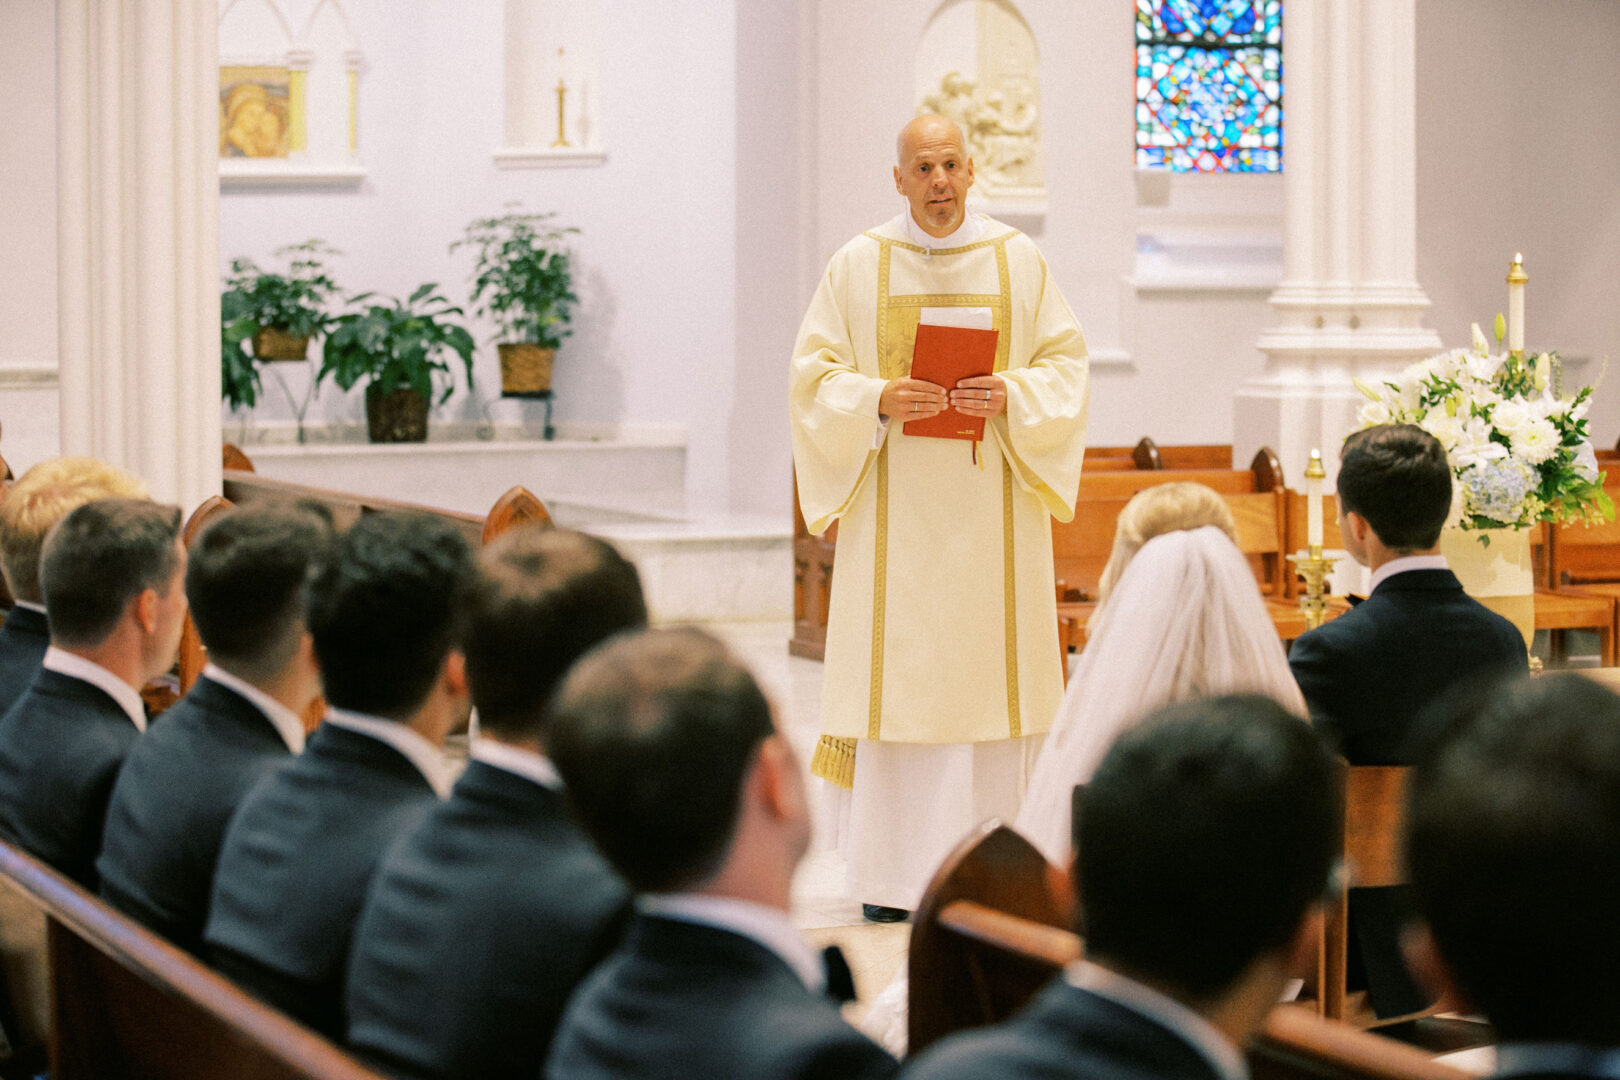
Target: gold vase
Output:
[(1499, 574)]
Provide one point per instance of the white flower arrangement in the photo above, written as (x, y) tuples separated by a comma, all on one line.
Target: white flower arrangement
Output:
[(1518, 448)]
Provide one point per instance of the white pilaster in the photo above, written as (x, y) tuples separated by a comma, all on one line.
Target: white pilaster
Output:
[(138, 222), (1350, 303)]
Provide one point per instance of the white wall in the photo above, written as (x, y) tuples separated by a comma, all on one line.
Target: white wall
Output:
[(1518, 105), (655, 335)]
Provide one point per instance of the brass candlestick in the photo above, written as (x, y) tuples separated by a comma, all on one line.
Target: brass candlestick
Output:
[(1314, 568), (562, 94)]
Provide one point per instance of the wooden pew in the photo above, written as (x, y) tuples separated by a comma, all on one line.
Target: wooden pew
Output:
[(1263, 474), (126, 1004)]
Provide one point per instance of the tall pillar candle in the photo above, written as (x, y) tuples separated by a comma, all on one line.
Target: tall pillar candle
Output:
[(1516, 281), (1314, 474)]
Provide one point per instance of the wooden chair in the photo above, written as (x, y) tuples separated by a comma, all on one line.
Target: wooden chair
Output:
[(234, 458), (990, 931), (515, 508), (126, 1004), (193, 655), (812, 585)]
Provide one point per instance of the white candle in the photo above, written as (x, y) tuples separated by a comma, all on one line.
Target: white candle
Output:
[(1516, 280), (1314, 474)]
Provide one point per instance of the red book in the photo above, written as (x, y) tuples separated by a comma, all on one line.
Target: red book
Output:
[(943, 355)]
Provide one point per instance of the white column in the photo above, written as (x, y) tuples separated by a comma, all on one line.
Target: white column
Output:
[(138, 247), (1350, 303)]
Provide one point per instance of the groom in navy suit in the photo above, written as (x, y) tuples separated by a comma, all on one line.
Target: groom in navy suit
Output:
[(1368, 675)]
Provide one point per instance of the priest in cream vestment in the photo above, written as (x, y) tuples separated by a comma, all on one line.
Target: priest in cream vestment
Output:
[(942, 667)]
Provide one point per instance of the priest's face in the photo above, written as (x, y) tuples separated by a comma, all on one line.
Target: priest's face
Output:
[(934, 174)]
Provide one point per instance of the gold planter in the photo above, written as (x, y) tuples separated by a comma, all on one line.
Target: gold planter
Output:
[(1499, 575), (273, 344), (396, 415), (525, 368)]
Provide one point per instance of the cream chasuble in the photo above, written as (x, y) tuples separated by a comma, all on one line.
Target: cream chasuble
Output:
[(943, 621)]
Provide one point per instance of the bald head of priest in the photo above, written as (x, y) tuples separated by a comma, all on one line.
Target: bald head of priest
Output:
[(933, 171)]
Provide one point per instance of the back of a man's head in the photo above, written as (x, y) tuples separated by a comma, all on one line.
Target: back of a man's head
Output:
[(1206, 834), (655, 733), (245, 580), (100, 557), (385, 610), (542, 599), (44, 496), (1513, 849), (1396, 476)]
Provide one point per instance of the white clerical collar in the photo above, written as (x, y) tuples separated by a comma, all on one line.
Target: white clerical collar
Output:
[(1402, 565), (768, 926), (1162, 1010), (29, 605), (75, 666), (964, 234), (417, 750), (514, 759), (288, 724)]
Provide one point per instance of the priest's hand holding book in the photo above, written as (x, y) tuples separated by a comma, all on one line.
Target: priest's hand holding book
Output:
[(914, 399), (982, 395)]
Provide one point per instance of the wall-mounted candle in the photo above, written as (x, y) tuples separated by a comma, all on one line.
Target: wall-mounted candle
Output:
[(1314, 474), (1516, 281)]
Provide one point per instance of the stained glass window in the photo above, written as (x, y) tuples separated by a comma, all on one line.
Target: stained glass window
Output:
[(1209, 85)]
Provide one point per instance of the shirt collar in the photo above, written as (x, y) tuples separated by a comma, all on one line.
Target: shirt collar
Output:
[(417, 750), (288, 724), (29, 605), (768, 926), (1402, 565), (965, 233), (75, 666), (514, 759), (1163, 1010)]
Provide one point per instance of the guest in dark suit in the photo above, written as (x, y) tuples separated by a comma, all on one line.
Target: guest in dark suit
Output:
[(678, 772), (45, 495), (180, 784), (112, 572), (485, 916), (1370, 673), (1514, 857), (1202, 857), (385, 610)]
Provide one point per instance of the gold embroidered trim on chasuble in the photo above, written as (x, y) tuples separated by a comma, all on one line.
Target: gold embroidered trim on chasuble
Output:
[(897, 320)]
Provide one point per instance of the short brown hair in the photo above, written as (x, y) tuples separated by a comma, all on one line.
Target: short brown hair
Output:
[(46, 494), (99, 558)]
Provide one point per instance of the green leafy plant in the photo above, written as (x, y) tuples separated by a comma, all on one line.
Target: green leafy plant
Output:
[(394, 345), (522, 279), (293, 302)]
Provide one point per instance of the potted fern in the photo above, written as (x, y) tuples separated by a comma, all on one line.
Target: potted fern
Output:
[(523, 282), (399, 350), (278, 311)]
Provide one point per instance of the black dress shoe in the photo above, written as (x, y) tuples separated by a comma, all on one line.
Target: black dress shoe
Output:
[(879, 913)]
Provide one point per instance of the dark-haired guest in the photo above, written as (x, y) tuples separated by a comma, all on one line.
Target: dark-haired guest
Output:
[(1369, 674), (486, 915), (112, 574), (385, 612), (1513, 851), (678, 772), (179, 786), (1203, 854), (44, 495)]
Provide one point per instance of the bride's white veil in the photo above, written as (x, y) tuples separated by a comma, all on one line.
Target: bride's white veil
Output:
[(1184, 621)]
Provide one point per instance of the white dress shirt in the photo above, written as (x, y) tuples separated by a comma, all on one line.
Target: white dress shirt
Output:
[(1223, 1057), (30, 605), (75, 666), (766, 925), (1402, 565), (528, 764), (288, 724), (417, 750)]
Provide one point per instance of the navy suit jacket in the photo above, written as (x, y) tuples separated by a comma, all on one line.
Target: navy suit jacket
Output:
[(1370, 673), (296, 863), (1065, 1032), (60, 748), (172, 801), (681, 1000), (23, 641), (481, 921)]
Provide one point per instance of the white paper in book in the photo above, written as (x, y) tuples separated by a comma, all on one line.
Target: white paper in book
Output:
[(966, 318)]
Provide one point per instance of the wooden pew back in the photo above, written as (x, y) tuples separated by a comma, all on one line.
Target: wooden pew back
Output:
[(1580, 553), (125, 1003)]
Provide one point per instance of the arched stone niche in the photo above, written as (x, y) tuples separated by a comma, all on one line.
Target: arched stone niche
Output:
[(979, 64), (553, 84)]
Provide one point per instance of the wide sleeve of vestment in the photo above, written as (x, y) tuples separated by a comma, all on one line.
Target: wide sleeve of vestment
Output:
[(833, 397), (1043, 433)]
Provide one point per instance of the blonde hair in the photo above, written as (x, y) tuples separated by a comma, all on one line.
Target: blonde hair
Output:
[(46, 494), (1154, 511)]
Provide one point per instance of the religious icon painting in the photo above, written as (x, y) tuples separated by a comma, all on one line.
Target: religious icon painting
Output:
[(253, 111)]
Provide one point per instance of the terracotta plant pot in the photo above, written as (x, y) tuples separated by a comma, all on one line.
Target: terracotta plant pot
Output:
[(525, 368), (396, 415), (272, 344)]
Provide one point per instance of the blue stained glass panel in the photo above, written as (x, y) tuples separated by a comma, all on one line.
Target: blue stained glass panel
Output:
[(1209, 85)]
